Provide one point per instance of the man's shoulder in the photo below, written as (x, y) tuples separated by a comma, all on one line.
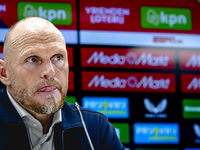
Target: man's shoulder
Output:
[(7, 110), (3, 96), (3, 92)]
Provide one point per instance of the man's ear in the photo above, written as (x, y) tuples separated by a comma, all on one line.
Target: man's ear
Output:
[(4, 77)]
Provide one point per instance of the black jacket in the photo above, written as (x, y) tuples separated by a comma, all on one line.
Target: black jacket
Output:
[(68, 135)]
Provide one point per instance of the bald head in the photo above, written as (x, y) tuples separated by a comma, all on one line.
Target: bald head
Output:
[(35, 67), (21, 31)]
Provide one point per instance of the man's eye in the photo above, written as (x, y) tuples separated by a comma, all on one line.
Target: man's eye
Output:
[(33, 60), (57, 57)]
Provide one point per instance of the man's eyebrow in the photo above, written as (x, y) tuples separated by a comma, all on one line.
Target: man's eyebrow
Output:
[(60, 51), (33, 52), (25, 53)]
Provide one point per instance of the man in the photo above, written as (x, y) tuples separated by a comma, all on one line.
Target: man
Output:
[(33, 114)]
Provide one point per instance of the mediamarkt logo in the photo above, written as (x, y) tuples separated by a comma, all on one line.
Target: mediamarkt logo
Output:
[(126, 58), (190, 60), (194, 84), (190, 83), (57, 13), (155, 112), (131, 82), (131, 58), (194, 61), (166, 18), (111, 15), (118, 81), (2, 9)]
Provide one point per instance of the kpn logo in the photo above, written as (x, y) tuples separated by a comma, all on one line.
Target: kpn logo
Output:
[(155, 111), (166, 18), (57, 13)]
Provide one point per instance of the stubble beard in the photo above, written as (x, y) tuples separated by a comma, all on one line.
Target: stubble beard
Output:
[(26, 100)]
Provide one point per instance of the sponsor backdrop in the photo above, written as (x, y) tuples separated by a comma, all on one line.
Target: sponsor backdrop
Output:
[(137, 62)]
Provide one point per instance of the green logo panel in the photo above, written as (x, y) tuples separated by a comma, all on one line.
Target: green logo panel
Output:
[(166, 18), (191, 108), (57, 13), (122, 130), (70, 99)]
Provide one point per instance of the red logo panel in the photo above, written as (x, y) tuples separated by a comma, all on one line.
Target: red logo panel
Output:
[(70, 56), (1, 49), (71, 81), (190, 60), (124, 15), (127, 58), (190, 83), (132, 82)]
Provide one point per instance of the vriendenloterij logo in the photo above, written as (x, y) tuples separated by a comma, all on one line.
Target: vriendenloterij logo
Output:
[(57, 13), (112, 107), (156, 133), (166, 18)]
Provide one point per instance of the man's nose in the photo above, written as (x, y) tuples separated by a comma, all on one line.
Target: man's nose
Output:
[(47, 70)]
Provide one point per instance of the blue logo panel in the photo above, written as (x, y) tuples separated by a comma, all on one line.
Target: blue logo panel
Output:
[(156, 133), (192, 149), (1, 56), (112, 107)]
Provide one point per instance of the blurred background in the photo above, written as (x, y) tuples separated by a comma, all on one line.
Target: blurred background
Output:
[(137, 62)]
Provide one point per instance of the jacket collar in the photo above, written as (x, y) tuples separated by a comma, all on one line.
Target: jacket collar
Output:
[(7, 110), (70, 116)]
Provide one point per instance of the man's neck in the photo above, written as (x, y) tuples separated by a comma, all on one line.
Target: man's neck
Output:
[(45, 120)]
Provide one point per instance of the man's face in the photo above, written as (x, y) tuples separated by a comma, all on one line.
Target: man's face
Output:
[(38, 70)]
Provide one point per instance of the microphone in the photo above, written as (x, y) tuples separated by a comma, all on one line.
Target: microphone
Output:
[(84, 126)]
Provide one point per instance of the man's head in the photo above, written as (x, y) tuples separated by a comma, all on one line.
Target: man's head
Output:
[(35, 66)]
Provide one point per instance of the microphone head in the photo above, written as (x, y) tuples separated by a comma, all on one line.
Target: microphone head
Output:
[(76, 105)]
